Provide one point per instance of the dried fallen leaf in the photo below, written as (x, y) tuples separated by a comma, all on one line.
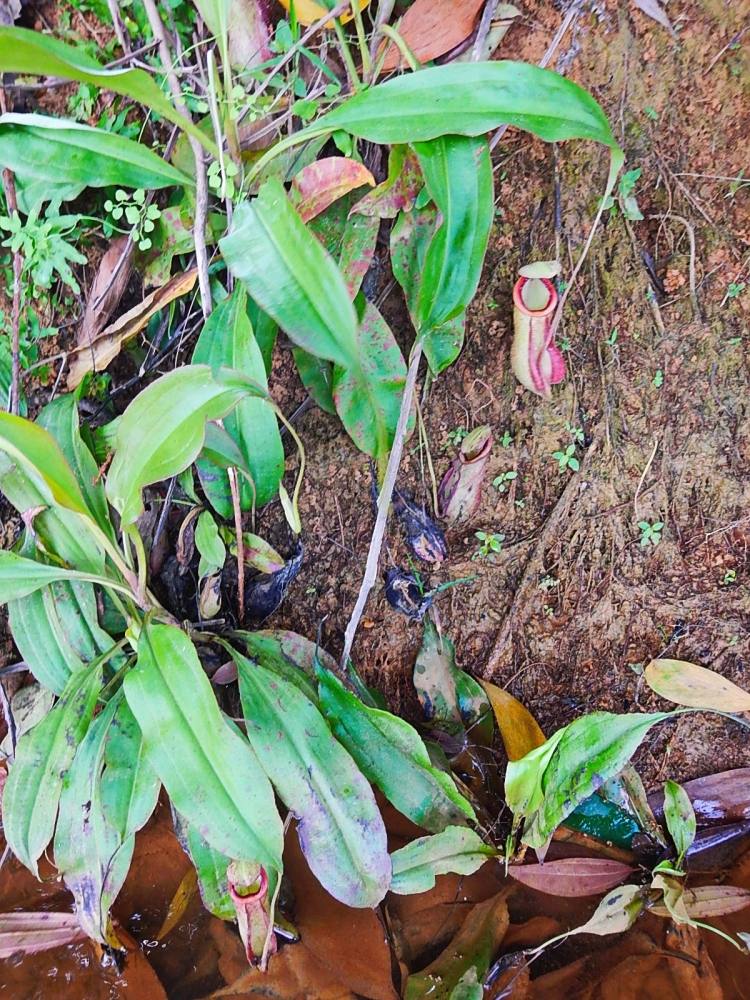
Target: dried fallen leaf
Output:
[(572, 876), (107, 289), (688, 684), (518, 727), (108, 344), (707, 901), (321, 183), (433, 27), (654, 10), (28, 933)]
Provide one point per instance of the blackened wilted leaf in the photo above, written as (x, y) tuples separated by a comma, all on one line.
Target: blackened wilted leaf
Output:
[(405, 595), (425, 539), (266, 592)]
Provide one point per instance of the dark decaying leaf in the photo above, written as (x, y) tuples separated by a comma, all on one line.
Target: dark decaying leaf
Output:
[(572, 876), (425, 539), (460, 490), (708, 901), (403, 592), (264, 593)]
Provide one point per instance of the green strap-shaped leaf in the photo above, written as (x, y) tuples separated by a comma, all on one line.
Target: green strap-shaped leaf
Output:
[(43, 756), (457, 849), (410, 236), (20, 577), (227, 340), (210, 547), (210, 867), (108, 794), (469, 99), (52, 156), (209, 771), (546, 785), (340, 828), (284, 654), (390, 753), (317, 377), (290, 275), (39, 455), (458, 173), (31, 52), (60, 418), (162, 431), (368, 394), (57, 632)]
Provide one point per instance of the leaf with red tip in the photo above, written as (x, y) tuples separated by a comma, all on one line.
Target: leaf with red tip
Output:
[(572, 876), (321, 183)]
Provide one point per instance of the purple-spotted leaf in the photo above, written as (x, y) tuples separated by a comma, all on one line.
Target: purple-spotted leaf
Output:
[(697, 687), (572, 876), (321, 183), (460, 490), (399, 189), (340, 828), (368, 395)]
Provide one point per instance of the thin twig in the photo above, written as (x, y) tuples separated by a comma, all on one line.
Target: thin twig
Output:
[(384, 503), (201, 183), (691, 238), (9, 718), (732, 41), (484, 29), (643, 476)]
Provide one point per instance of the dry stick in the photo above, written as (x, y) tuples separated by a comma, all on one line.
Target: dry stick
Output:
[(484, 29), (384, 503), (201, 184), (236, 508)]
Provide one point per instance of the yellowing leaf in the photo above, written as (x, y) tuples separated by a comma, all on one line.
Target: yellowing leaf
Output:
[(518, 727), (108, 344), (321, 183), (688, 684), (308, 12)]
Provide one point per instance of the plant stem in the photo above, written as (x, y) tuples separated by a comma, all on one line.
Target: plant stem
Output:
[(361, 40), (237, 509), (384, 503), (201, 184), (406, 53), (351, 70)]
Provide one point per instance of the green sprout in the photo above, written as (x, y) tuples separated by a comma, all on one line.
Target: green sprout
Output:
[(651, 532), (501, 482), (567, 459), (490, 545)]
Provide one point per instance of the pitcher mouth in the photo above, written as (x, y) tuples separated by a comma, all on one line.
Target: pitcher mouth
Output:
[(519, 303)]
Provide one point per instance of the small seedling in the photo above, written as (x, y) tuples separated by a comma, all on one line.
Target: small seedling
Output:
[(658, 380), (735, 289), (567, 459), (138, 214), (506, 440), (651, 113), (650, 532), (456, 436), (729, 578), (576, 433), (501, 482), (520, 503), (611, 340), (489, 544), (548, 583), (626, 198), (44, 247)]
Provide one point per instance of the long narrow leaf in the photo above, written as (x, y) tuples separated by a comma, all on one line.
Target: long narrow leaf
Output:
[(31, 52), (340, 828), (43, 756), (209, 771)]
